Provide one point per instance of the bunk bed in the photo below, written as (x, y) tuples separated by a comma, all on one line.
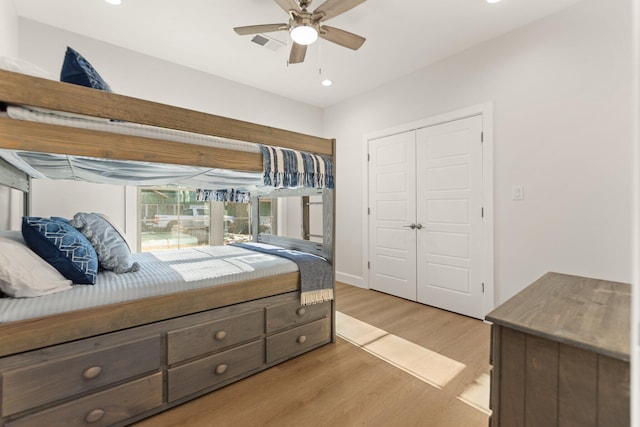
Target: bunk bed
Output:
[(115, 363)]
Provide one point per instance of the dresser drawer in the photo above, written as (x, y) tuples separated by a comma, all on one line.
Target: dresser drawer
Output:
[(62, 377), (298, 340), (200, 339), (292, 313), (209, 371), (101, 409)]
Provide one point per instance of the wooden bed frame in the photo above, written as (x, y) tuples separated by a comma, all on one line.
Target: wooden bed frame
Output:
[(36, 351)]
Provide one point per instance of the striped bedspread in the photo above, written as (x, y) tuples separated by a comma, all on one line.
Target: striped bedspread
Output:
[(160, 273)]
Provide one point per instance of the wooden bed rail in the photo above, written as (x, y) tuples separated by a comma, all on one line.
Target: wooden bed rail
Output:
[(47, 138), (29, 334), (20, 89)]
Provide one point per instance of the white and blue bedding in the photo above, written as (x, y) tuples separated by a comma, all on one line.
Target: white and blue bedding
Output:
[(316, 274), (160, 273)]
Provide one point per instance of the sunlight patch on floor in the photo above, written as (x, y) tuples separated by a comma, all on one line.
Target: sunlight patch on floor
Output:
[(356, 331), (477, 394), (429, 366)]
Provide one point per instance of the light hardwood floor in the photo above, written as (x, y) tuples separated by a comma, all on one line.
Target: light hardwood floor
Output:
[(342, 385)]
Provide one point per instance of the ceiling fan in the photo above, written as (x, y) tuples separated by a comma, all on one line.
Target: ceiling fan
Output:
[(305, 27)]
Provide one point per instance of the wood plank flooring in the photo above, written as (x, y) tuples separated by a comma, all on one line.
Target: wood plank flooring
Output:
[(342, 385)]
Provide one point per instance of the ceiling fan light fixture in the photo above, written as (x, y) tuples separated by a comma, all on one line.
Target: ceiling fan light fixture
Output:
[(304, 34)]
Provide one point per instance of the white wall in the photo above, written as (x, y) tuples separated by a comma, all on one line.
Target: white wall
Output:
[(635, 230), (141, 76), (8, 29), (560, 90)]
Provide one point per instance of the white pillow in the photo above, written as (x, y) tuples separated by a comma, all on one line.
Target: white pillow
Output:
[(23, 273), (25, 67)]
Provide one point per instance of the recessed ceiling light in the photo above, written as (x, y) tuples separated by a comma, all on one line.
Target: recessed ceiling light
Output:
[(114, 2), (327, 82), (493, 1)]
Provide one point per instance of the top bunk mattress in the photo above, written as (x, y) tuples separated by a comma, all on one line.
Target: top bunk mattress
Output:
[(43, 115), (161, 273)]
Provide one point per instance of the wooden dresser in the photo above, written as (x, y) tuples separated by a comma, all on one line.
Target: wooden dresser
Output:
[(560, 352), (121, 377)]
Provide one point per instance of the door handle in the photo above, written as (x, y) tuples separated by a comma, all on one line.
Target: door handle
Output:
[(412, 226), (419, 226)]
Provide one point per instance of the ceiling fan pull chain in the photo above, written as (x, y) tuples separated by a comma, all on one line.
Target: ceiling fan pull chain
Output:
[(319, 58)]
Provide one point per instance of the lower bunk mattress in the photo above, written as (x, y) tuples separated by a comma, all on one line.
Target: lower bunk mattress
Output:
[(160, 273)]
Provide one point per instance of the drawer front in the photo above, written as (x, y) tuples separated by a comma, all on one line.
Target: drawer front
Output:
[(29, 387), (101, 409), (197, 340), (298, 340), (209, 371), (292, 313)]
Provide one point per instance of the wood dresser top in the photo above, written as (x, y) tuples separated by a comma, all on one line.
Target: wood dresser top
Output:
[(587, 313)]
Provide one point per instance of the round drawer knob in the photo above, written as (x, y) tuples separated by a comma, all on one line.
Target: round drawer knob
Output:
[(94, 416), (302, 339), (301, 311), (91, 373), (220, 335), (221, 369)]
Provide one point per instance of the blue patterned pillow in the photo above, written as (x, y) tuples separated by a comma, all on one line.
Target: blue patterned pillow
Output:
[(110, 245), (77, 70), (62, 246)]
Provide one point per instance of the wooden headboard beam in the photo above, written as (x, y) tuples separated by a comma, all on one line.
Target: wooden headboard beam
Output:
[(45, 138), (20, 89)]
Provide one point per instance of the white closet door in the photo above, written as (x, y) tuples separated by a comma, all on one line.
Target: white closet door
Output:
[(449, 206), (392, 244)]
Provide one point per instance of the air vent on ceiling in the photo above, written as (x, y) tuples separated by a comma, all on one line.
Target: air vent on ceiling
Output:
[(267, 42)]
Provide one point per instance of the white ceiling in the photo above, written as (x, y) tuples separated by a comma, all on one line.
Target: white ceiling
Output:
[(402, 36)]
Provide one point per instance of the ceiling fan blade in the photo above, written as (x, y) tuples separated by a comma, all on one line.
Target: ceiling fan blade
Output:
[(341, 37), (298, 52), (288, 5), (255, 29), (333, 8)]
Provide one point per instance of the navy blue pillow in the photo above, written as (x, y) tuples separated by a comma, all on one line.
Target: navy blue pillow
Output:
[(62, 246), (77, 70)]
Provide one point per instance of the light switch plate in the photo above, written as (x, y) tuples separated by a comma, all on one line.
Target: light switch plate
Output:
[(517, 192)]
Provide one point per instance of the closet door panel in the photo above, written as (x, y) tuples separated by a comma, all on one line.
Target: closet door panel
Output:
[(449, 206), (392, 211)]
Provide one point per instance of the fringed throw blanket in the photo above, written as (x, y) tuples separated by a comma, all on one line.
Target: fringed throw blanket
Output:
[(292, 169), (316, 274)]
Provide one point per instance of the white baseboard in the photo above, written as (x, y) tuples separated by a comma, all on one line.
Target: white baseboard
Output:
[(350, 279)]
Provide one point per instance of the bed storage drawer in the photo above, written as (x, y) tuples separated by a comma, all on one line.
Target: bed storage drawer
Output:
[(34, 385), (298, 340), (209, 371), (204, 338), (292, 313), (103, 408)]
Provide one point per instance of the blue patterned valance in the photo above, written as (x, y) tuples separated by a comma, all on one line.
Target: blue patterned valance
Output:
[(230, 195)]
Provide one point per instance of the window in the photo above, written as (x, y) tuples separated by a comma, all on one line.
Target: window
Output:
[(172, 218)]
